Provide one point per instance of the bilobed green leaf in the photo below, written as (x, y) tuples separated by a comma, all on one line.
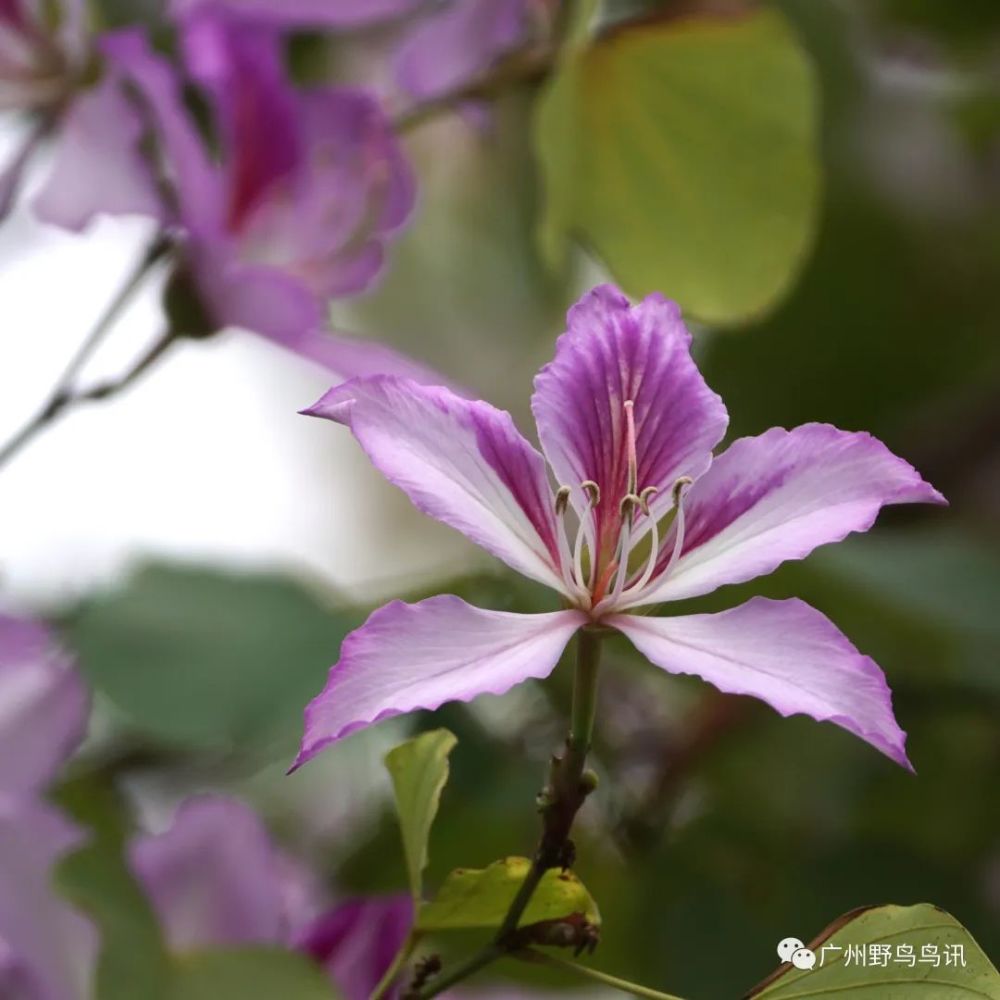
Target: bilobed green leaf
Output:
[(419, 770), (924, 931), (481, 897), (683, 151), (208, 658), (248, 974)]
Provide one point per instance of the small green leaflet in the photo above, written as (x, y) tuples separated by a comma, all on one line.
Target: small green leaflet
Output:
[(419, 771)]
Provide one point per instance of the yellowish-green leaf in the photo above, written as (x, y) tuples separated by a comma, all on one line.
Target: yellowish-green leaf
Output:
[(419, 770), (683, 151), (947, 962), (481, 897)]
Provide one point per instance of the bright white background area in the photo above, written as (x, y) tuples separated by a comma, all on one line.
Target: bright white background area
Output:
[(205, 458)]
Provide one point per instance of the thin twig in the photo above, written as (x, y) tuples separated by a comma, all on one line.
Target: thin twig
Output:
[(531, 955), (112, 387), (62, 396), (523, 66)]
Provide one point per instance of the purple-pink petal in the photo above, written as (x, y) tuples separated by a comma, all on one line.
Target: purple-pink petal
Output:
[(47, 947), (778, 496), (214, 877), (197, 195), (348, 127), (462, 462), (239, 67), (458, 44), (357, 940), (274, 305), (99, 164), (353, 357), (327, 220), (418, 656), (783, 652), (307, 13), (43, 706), (612, 352)]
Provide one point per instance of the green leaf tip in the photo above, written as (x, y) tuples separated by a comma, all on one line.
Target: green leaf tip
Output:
[(419, 772)]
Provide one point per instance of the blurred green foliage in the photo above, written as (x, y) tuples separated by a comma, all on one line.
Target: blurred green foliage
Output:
[(207, 658)]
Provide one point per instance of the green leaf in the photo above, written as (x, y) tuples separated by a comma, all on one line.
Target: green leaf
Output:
[(248, 974), (683, 151), (206, 658), (481, 897), (419, 770), (908, 927)]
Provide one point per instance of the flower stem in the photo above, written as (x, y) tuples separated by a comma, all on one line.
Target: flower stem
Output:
[(567, 790), (530, 954), (588, 661), (62, 396)]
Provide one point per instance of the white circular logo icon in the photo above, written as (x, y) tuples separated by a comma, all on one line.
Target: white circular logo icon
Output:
[(788, 947), (803, 959)]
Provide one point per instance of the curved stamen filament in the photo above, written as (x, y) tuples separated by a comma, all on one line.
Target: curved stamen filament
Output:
[(624, 596), (679, 488), (562, 541), (586, 531), (571, 561), (628, 507), (654, 546)]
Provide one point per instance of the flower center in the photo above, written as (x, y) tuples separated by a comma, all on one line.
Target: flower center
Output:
[(602, 584)]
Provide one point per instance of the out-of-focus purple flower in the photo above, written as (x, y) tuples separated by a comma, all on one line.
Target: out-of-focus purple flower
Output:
[(307, 190), (357, 940), (215, 878), (456, 44), (47, 950), (627, 425), (306, 13)]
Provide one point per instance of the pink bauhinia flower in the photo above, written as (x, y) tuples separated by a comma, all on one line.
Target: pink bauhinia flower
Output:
[(641, 514), (298, 207)]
